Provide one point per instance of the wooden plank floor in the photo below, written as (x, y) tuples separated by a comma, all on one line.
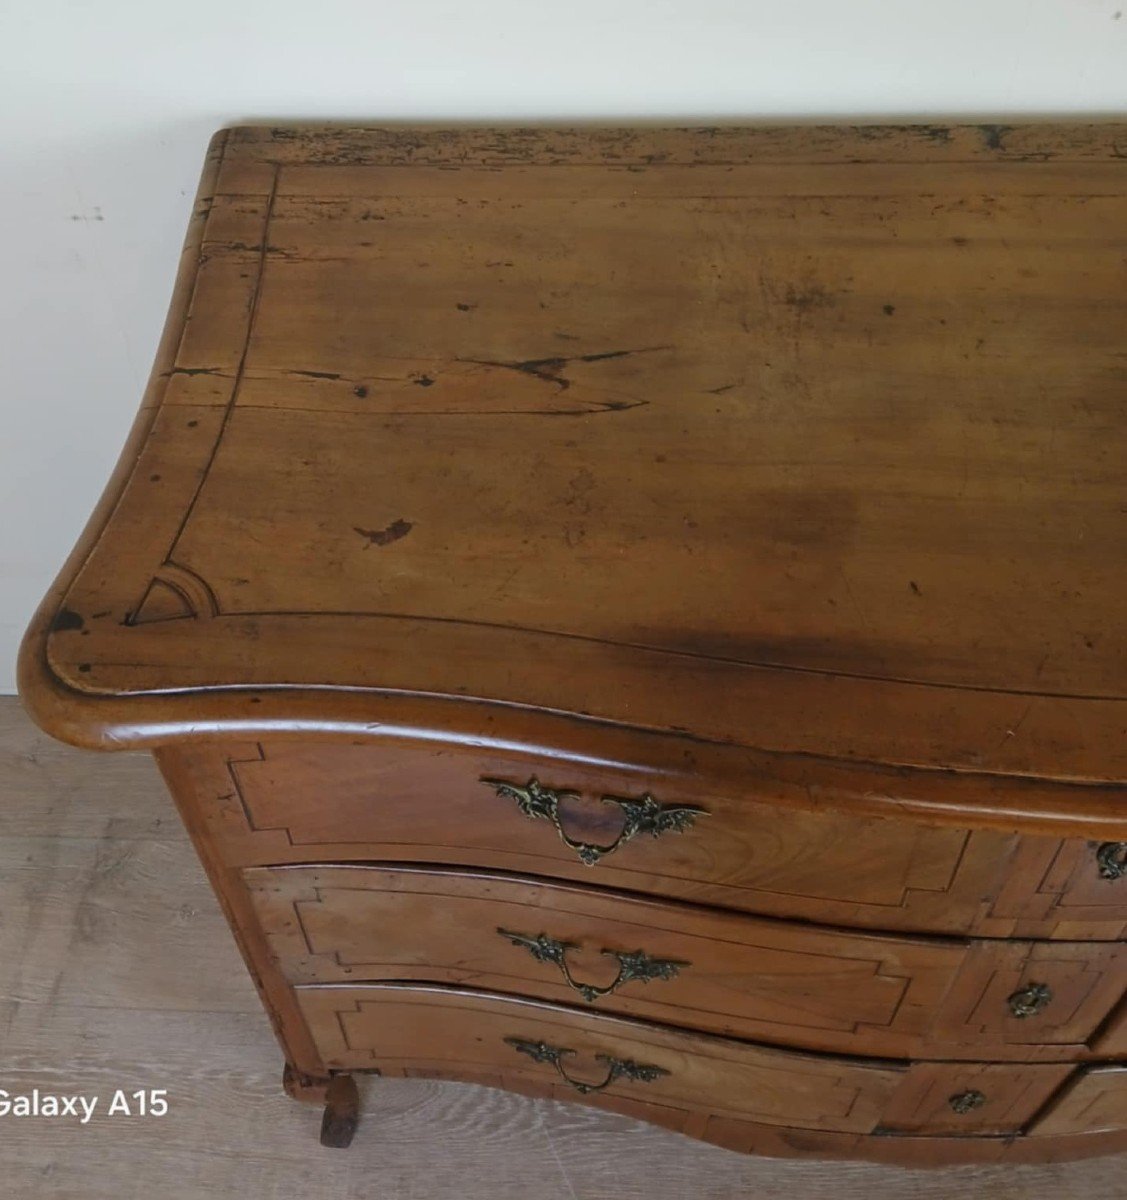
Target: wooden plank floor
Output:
[(117, 971)]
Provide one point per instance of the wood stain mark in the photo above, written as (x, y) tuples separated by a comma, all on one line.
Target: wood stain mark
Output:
[(67, 619), (384, 537), (994, 135), (551, 369), (808, 297)]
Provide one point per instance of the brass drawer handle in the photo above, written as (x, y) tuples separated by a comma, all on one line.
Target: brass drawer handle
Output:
[(639, 816), (632, 964), (1030, 1000), (617, 1068), (966, 1102), (1112, 860)]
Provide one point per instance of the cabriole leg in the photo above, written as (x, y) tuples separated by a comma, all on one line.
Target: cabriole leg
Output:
[(342, 1112)]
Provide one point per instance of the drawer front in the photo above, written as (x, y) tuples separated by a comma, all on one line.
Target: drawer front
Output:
[(1095, 1101), (302, 801), (819, 988), (510, 1042)]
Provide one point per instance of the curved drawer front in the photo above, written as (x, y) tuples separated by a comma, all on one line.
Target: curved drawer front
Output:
[(823, 989), (643, 1069), (302, 801), (1095, 1101)]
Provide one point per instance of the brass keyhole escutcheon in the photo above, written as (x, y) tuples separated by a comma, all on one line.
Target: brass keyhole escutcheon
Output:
[(966, 1102), (1030, 1000), (1112, 860)]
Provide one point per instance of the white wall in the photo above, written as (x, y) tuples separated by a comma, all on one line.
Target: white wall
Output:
[(106, 107)]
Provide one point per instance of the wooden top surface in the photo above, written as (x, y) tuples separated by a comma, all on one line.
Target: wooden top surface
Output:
[(807, 439)]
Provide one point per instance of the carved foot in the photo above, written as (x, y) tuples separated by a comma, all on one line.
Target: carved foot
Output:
[(342, 1112), (309, 1089)]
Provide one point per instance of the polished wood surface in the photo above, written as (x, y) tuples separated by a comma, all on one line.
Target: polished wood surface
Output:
[(710, 534), (116, 962), (301, 1054), (413, 1027), (301, 800), (709, 1087), (778, 981), (805, 440), (1112, 1040), (1097, 1100)]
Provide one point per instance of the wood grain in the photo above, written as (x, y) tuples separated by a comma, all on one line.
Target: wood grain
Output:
[(1097, 1100), (764, 479), (229, 1116), (405, 1028), (295, 801), (359, 1025), (783, 982), (757, 435)]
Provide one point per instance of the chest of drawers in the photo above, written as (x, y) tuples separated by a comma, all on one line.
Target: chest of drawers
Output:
[(637, 617)]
